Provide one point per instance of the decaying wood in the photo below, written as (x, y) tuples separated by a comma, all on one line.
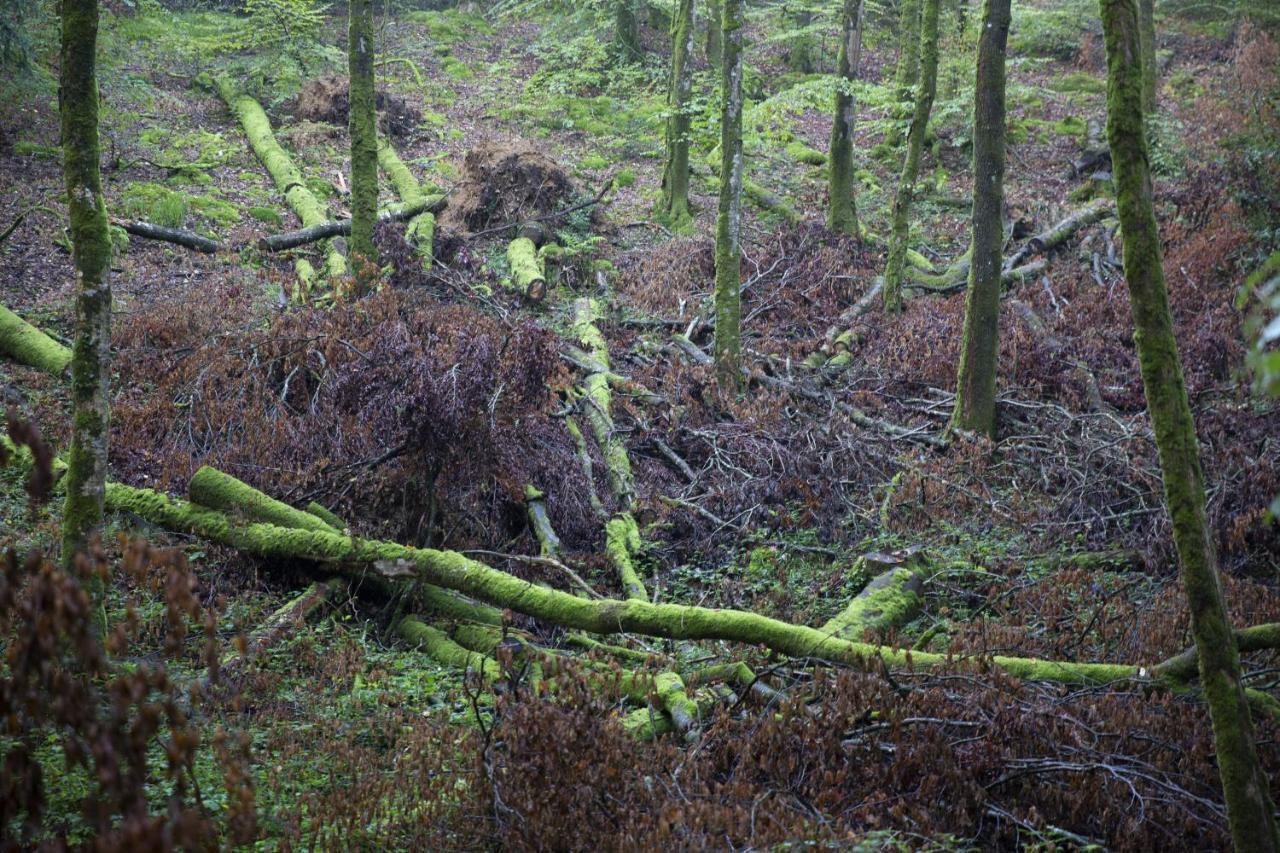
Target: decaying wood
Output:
[(179, 236), (325, 230)]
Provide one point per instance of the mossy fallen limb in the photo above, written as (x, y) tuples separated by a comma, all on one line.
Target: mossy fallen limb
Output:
[(622, 543), (595, 389), (324, 514), (298, 610), (890, 600), (278, 163), (420, 230), (526, 269), (540, 523), (443, 650), (26, 344), (217, 490), (358, 557)]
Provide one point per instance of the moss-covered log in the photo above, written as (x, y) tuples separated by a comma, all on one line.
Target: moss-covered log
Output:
[(25, 344), (901, 218), (325, 515), (595, 389), (526, 269), (358, 558), (1250, 810), (443, 650), (325, 230), (420, 230), (298, 610), (287, 178), (216, 490), (890, 600), (540, 523)]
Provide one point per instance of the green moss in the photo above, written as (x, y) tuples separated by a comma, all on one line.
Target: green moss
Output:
[(802, 153), (625, 177), (266, 215), (1081, 82), (37, 150), (28, 345)]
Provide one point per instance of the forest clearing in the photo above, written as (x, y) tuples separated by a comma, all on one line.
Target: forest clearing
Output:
[(627, 424)]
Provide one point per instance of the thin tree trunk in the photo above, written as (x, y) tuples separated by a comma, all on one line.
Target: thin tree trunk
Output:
[(715, 35), (907, 73), (911, 163), (976, 383), (800, 53), (1147, 39), (675, 176), (729, 219), (1250, 811), (842, 209), (626, 30), (363, 123), (91, 350)]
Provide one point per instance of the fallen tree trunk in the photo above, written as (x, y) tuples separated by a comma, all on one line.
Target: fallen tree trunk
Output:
[(357, 558), (526, 272), (890, 600), (340, 227), (1062, 231), (179, 236), (27, 345), (299, 610), (420, 232), (309, 210)]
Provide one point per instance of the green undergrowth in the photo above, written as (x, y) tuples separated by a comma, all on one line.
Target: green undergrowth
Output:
[(170, 208)]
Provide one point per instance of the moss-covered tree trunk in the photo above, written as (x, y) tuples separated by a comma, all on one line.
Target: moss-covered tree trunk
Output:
[(892, 293), (363, 123), (715, 35), (907, 71), (842, 209), (976, 383), (626, 30), (1250, 812), (729, 218), (1147, 34), (91, 249), (800, 52), (675, 175)]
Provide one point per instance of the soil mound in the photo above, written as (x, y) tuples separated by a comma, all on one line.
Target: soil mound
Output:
[(327, 99), (505, 182)]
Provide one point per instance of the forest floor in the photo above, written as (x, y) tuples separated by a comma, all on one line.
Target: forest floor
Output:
[(1049, 542)]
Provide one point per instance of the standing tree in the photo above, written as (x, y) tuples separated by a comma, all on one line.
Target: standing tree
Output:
[(675, 174), (1147, 36), (911, 163), (976, 383), (626, 30), (907, 72), (91, 243), (1250, 812), (842, 210), (715, 37), (363, 123), (729, 217)]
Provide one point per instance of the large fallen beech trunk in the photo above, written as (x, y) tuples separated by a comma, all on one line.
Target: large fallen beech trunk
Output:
[(358, 558), (309, 210), (27, 345), (342, 227), (420, 232), (178, 236)]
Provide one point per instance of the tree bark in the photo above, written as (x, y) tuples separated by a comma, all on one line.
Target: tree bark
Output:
[(906, 74), (526, 273), (363, 126), (892, 293), (675, 175), (976, 381), (1147, 40), (91, 250), (626, 30), (715, 35), (1250, 811), (178, 236), (728, 299), (842, 209)]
